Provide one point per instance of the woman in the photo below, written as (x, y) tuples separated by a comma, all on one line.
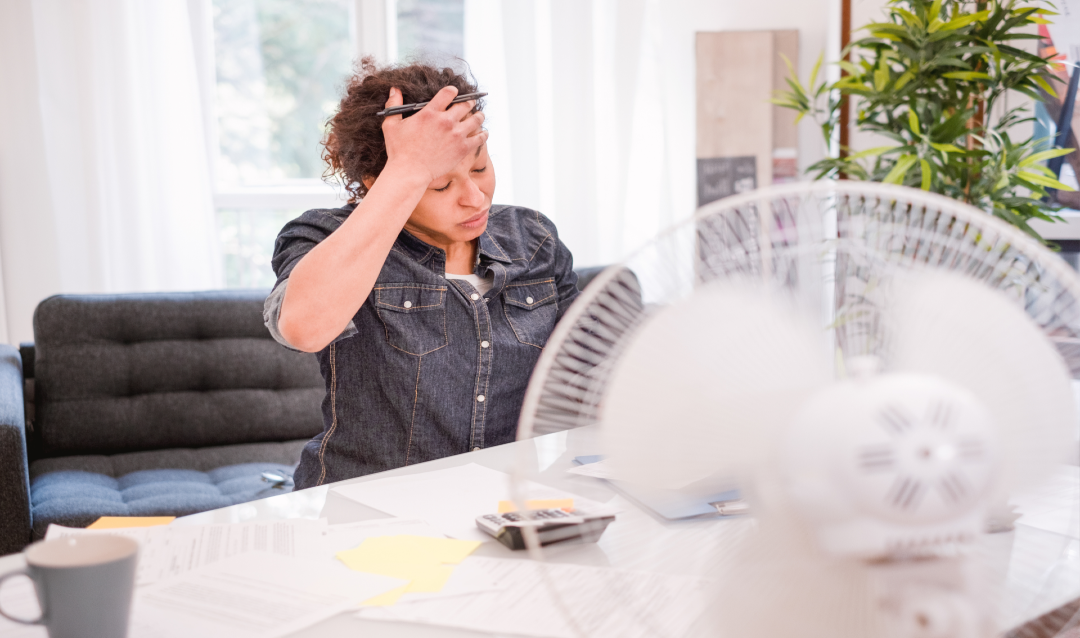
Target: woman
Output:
[(428, 307)]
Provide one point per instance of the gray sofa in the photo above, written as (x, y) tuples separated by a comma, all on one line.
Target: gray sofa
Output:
[(147, 405)]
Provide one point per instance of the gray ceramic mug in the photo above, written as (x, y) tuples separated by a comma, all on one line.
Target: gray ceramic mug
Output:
[(84, 585)]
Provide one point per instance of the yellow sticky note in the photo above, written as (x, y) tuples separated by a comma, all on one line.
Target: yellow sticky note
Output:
[(386, 599), (426, 563), (119, 522), (548, 504), (431, 580)]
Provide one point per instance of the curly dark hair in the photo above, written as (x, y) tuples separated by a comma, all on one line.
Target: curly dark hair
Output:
[(354, 148)]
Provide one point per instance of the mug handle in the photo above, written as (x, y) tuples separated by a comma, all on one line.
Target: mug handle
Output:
[(26, 621)]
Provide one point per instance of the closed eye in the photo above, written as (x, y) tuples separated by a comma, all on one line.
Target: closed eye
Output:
[(439, 190), (479, 170)]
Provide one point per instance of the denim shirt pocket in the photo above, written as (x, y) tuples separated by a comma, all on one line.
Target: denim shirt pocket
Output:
[(413, 315), (531, 308)]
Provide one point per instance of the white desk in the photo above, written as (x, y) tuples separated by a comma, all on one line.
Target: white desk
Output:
[(1034, 560)]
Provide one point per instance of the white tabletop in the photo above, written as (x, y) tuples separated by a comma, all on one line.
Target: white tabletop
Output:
[(1042, 554)]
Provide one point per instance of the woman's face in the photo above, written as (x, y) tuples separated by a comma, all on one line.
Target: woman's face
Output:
[(455, 206)]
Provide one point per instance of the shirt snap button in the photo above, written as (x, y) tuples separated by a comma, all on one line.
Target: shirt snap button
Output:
[(475, 296), (528, 299), (476, 449), (407, 304), (480, 398), (484, 344)]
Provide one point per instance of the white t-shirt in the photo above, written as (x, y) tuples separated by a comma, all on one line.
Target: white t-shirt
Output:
[(481, 284)]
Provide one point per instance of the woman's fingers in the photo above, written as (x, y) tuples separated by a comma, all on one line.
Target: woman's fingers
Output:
[(474, 123), (438, 137), (442, 99), (461, 110), (392, 101)]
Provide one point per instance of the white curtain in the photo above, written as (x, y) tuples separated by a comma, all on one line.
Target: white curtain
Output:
[(592, 106), (115, 193), (577, 115)]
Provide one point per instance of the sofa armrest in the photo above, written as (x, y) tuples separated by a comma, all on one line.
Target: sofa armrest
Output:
[(14, 475)]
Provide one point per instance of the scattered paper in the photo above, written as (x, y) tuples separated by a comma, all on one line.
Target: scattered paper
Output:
[(425, 562), (18, 599), (173, 550), (119, 522), (562, 601), (599, 469), (1054, 505), (337, 538), (535, 504), (450, 499), (264, 595)]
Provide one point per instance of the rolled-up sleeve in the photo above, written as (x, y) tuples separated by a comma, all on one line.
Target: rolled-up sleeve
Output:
[(295, 241)]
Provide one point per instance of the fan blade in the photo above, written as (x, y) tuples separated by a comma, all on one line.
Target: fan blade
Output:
[(954, 328), (704, 383)]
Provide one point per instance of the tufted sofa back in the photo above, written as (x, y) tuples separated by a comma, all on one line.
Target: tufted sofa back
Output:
[(147, 371)]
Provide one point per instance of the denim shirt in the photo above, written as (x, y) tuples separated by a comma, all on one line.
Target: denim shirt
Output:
[(429, 367)]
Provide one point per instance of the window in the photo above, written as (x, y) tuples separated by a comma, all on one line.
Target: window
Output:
[(279, 70), (431, 29)]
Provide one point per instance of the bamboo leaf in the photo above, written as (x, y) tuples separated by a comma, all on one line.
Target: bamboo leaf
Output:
[(966, 75), (934, 25), (947, 148), (885, 36), (885, 26), (926, 174), (851, 68), (935, 11), (902, 81), (790, 67), (1040, 21), (1043, 180), (963, 21), (817, 66), (909, 17), (874, 152), (1038, 79), (903, 165), (881, 77), (1045, 155), (913, 121)]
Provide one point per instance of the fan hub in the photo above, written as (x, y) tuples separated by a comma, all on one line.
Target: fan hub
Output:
[(892, 462)]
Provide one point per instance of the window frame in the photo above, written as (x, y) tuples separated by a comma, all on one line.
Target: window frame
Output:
[(374, 33)]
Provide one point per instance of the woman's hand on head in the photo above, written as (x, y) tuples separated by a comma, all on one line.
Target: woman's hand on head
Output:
[(434, 140)]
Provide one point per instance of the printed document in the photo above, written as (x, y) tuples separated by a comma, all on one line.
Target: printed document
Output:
[(450, 499), (262, 595), (173, 550), (561, 601)]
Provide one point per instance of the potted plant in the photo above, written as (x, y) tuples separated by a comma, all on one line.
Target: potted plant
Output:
[(933, 80)]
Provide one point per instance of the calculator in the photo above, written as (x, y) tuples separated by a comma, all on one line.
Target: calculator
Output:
[(552, 526)]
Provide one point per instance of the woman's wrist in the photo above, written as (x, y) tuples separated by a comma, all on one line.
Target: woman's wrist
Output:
[(409, 175)]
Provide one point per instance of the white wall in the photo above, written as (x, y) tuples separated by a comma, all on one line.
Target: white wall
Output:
[(592, 105)]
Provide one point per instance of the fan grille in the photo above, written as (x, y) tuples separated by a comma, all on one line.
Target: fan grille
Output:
[(827, 241)]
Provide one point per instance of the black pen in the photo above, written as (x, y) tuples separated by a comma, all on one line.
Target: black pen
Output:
[(408, 108)]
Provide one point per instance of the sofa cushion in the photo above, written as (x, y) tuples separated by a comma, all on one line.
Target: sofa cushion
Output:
[(146, 371), (76, 490)]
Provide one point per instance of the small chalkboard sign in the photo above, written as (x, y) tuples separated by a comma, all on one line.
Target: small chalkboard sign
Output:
[(718, 177)]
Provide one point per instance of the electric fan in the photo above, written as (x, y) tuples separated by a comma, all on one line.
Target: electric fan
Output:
[(877, 369)]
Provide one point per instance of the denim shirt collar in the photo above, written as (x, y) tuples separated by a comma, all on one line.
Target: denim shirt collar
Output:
[(424, 253)]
